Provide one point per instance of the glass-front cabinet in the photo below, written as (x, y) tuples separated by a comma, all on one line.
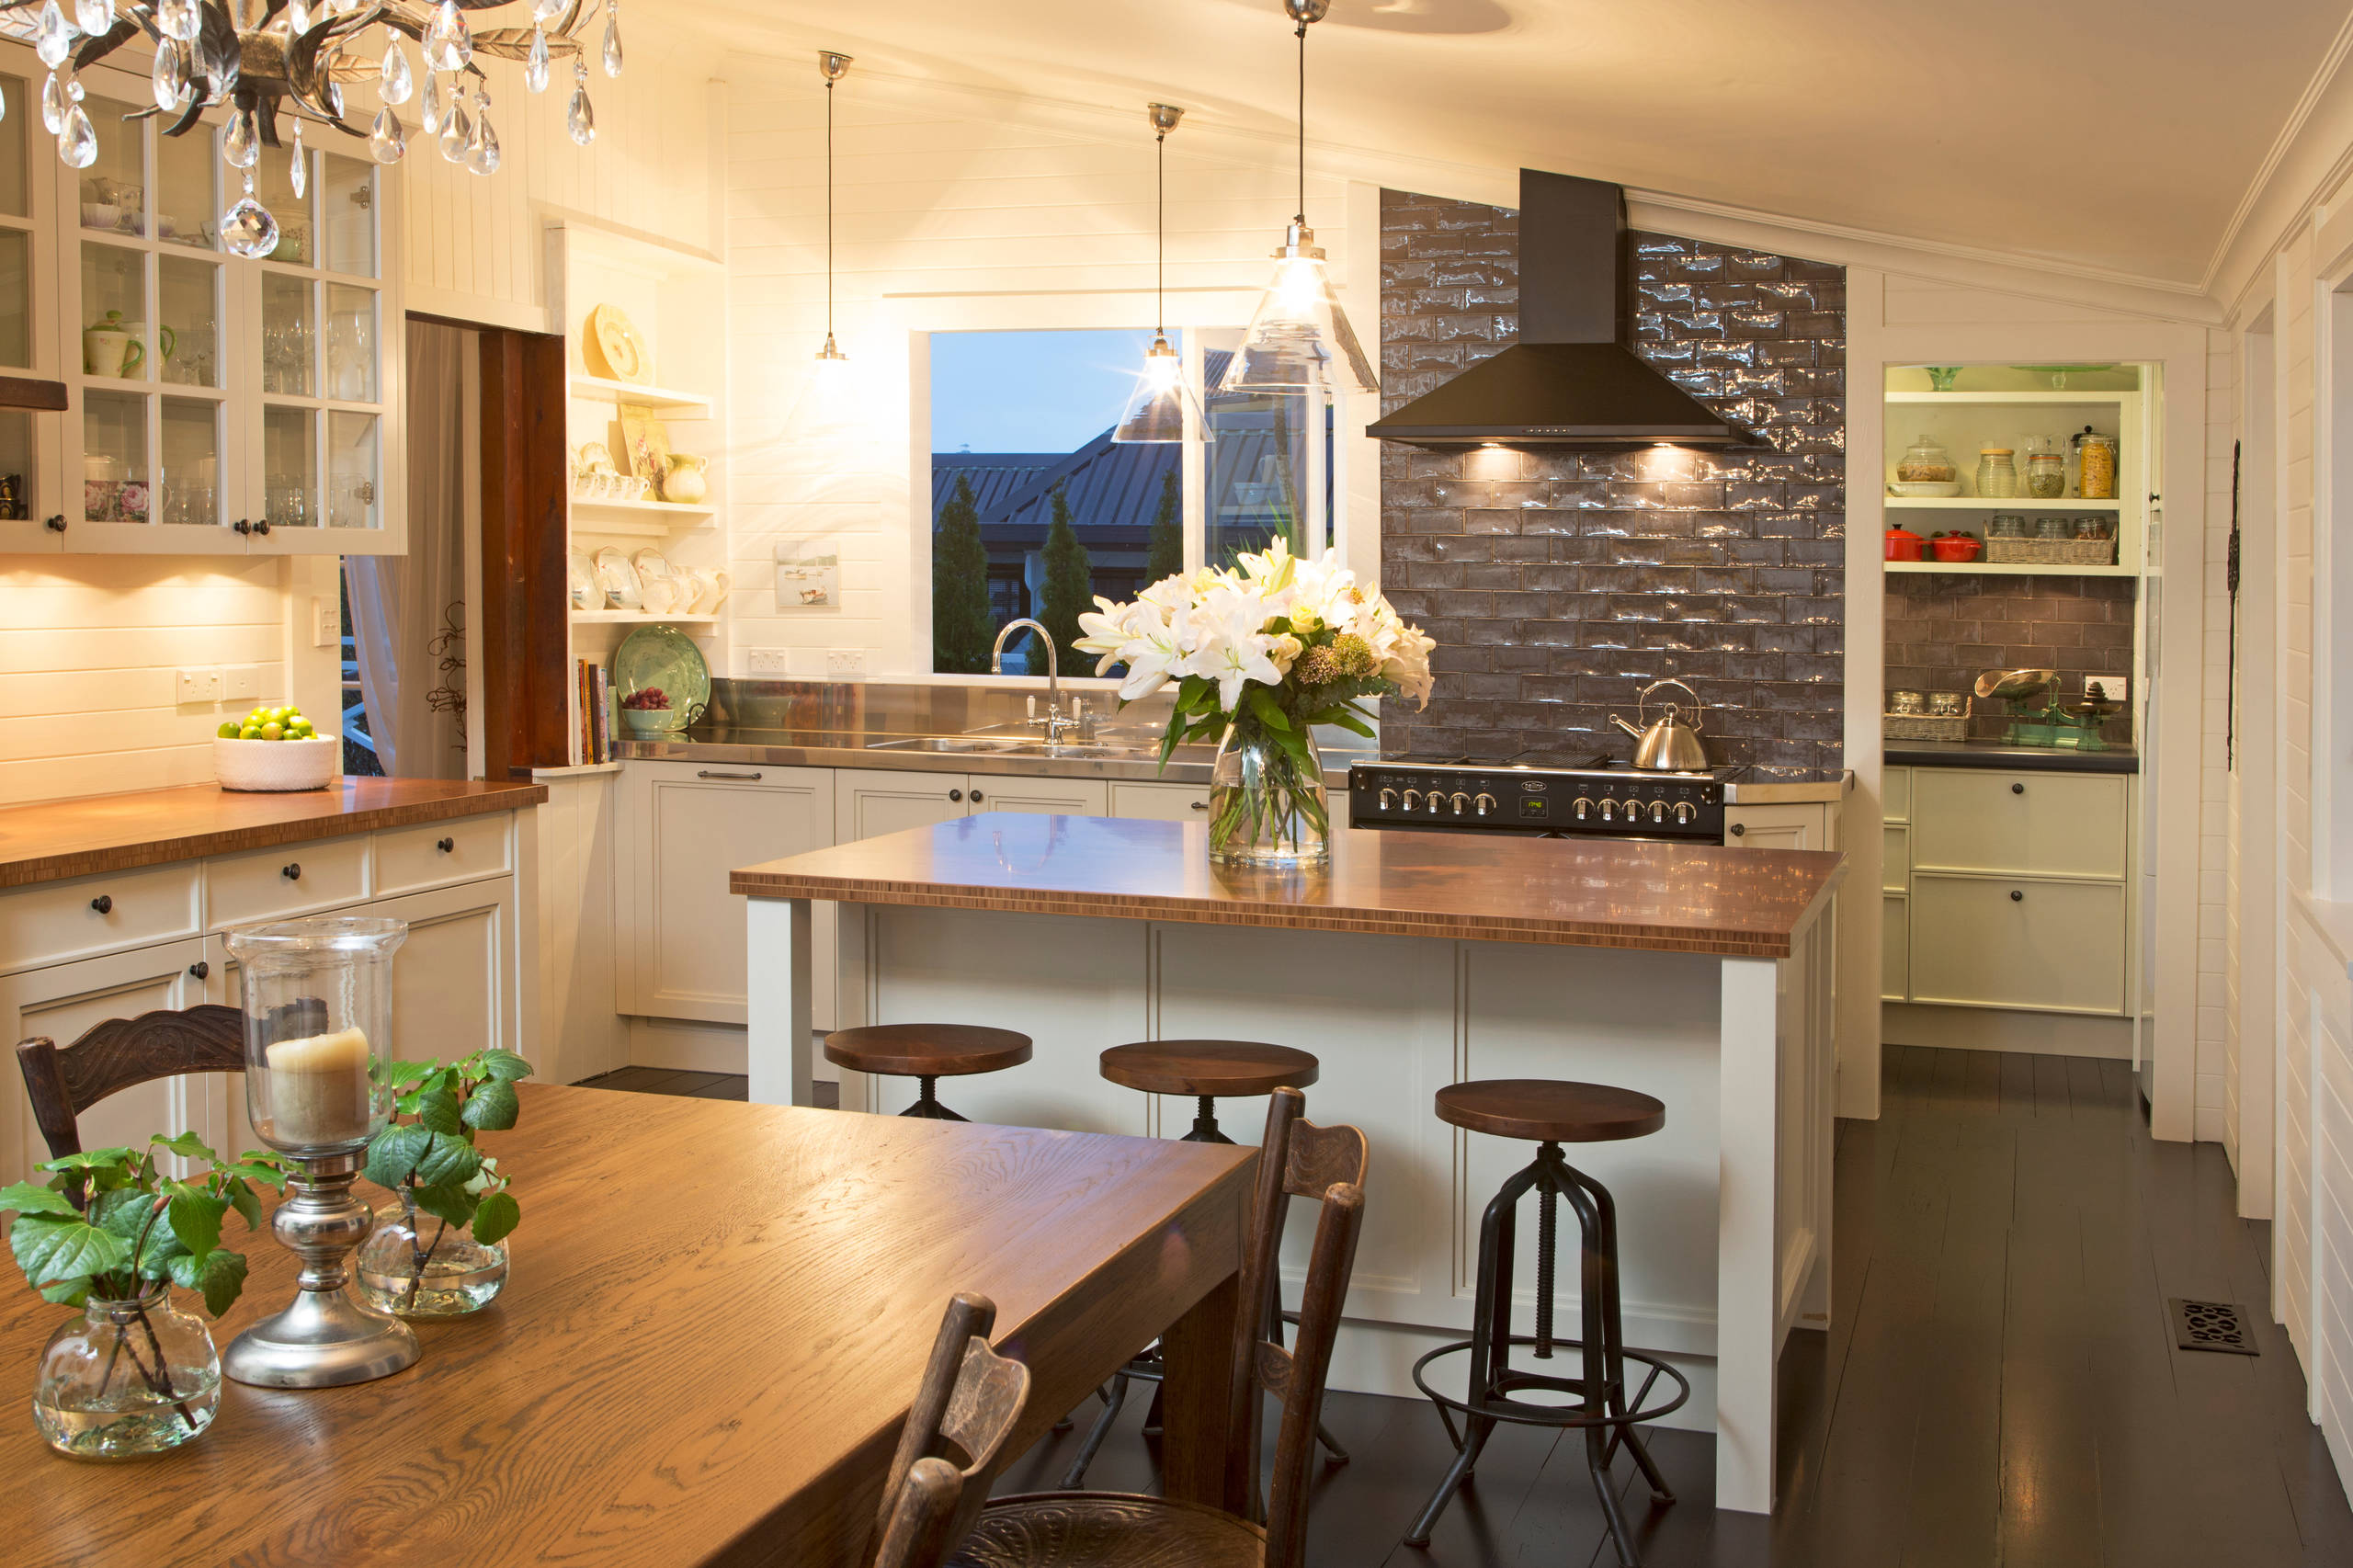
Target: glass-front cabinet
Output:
[(216, 403)]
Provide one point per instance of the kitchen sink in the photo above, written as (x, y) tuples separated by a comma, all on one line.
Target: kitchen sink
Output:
[(962, 744)]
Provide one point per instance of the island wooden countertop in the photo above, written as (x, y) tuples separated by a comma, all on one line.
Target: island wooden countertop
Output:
[(50, 840), (1569, 892)]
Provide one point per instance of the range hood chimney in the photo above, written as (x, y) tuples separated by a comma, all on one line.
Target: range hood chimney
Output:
[(1570, 381)]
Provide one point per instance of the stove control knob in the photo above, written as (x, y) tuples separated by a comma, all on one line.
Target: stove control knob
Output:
[(1413, 799), (1388, 798), (1684, 811), (1486, 803), (1658, 811), (1584, 804), (1609, 809), (1435, 799), (1458, 800)]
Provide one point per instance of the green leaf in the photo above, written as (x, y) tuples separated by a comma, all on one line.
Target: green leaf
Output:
[(89, 1160), (393, 1154), (495, 1220), (504, 1066), (438, 1110), (243, 1200), (454, 1204), (122, 1212), (196, 1219), (404, 1074), (492, 1108), (53, 1247), (1270, 712), (219, 1273), (25, 1199), (259, 1165), (188, 1146), (66, 1292), (447, 1162)]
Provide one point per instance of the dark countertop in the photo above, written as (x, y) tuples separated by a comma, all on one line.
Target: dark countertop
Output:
[(1994, 754)]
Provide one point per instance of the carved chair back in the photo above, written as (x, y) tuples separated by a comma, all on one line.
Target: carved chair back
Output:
[(121, 1053), (953, 1443)]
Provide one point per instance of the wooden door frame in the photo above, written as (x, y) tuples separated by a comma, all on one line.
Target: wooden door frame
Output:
[(525, 635)]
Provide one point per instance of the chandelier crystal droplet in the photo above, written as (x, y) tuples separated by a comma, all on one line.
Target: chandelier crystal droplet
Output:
[(449, 43), (181, 20), (612, 38), (456, 129), (535, 64), (170, 74), (428, 108), (53, 105), (93, 17), (242, 143), (247, 228), (298, 169), (580, 119), (394, 83), (78, 145), (52, 36), (387, 140)]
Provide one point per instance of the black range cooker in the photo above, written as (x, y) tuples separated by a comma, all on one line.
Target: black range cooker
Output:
[(1605, 798)]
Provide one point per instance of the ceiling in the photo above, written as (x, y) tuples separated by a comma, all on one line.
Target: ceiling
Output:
[(2113, 135)]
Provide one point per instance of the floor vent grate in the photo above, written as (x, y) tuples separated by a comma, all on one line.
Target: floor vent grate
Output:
[(2213, 1325)]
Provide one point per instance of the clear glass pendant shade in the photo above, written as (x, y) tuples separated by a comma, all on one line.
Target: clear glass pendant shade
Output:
[(1158, 408), (1299, 339)]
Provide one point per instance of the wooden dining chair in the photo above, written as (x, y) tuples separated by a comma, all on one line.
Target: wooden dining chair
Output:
[(122, 1053), (1098, 1530), (953, 1443)]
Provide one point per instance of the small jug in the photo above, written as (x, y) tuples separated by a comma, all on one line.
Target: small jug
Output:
[(685, 482)]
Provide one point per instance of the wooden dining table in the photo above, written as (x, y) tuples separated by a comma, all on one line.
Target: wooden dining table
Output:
[(715, 1321)]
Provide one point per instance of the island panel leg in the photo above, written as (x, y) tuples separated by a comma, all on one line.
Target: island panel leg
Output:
[(778, 973), (1747, 1301)]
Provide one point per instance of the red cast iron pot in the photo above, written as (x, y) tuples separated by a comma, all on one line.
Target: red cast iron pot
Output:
[(1902, 544)]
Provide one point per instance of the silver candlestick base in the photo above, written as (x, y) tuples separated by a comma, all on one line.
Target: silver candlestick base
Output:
[(324, 1339)]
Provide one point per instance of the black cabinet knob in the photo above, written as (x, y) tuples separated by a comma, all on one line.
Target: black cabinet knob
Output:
[(262, 527), (2017, 897), (292, 872), (447, 845), (103, 903), (1200, 805), (2018, 789), (242, 526), (976, 797), (55, 525), (955, 794), (200, 970), (1739, 829)]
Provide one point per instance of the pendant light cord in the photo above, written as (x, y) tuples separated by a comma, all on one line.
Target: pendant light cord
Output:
[(1160, 225), (1301, 218), (829, 210)]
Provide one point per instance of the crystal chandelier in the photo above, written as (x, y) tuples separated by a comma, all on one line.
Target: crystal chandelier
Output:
[(270, 59)]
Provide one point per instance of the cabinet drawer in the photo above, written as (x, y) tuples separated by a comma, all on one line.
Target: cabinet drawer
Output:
[(1895, 795), (240, 889), (97, 915), (1982, 941), (1895, 857), (1040, 797), (1894, 949), (1174, 802), (436, 853), (2048, 825)]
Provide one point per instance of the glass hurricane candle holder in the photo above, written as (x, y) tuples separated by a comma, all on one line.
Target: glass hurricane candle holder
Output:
[(318, 1003)]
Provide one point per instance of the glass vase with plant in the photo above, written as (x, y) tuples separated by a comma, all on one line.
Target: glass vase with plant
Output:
[(454, 1260), (1262, 654), (110, 1233)]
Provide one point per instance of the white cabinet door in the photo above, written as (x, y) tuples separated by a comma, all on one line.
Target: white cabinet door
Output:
[(1894, 947), (455, 982), (2046, 946), (63, 1000), (689, 827), (1174, 802), (869, 802), (1043, 797), (1776, 827)]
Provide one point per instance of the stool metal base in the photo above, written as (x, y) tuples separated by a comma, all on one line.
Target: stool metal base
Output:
[(928, 1107), (1600, 1407)]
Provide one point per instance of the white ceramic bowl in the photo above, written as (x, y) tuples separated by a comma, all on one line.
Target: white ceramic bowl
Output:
[(1925, 489), (276, 765)]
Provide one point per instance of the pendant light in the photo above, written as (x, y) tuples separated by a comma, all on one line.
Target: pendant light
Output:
[(831, 360), (1298, 339), (1156, 411)]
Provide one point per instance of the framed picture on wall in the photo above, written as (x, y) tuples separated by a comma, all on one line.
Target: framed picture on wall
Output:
[(808, 573)]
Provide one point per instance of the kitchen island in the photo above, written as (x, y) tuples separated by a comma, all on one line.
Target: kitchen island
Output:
[(1700, 975)]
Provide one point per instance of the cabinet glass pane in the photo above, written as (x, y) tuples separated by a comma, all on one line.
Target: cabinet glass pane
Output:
[(16, 464), (187, 193), (114, 459), (190, 492), (273, 188), (188, 338), (290, 468), (114, 189), (348, 212), (287, 353), (16, 297), (351, 344), (351, 470), (14, 104), (114, 313)]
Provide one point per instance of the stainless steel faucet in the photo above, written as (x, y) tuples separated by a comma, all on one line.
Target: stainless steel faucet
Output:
[(1056, 722)]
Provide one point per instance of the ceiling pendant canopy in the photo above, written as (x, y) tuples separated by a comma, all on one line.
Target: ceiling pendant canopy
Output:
[(1298, 339), (1158, 408)]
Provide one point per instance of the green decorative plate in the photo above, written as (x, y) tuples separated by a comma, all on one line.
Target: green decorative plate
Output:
[(661, 670)]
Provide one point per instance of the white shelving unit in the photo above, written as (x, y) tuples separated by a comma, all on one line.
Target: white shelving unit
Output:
[(638, 617), (2011, 569), (602, 389)]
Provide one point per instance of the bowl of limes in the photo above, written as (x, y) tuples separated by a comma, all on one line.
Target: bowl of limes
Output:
[(274, 749)]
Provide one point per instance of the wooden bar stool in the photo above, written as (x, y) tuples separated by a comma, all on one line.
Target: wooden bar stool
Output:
[(1551, 1113), (927, 1052), (1209, 1071)]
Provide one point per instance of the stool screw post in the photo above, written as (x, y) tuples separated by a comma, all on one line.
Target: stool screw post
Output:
[(1205, 1118), (926, 1091), (1548, 1224)]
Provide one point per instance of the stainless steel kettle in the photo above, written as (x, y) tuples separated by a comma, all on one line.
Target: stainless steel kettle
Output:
[(1666, 744)]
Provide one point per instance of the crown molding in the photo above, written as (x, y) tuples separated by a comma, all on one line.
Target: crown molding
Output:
[(2311, 156)]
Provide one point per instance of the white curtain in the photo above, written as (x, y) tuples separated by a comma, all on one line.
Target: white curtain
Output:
[(408, 613)]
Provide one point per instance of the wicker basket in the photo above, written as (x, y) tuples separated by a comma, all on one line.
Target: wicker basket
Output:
[(1924, 726), (2051, 553)]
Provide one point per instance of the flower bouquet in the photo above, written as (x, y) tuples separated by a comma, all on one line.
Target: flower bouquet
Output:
[(1262, 655)]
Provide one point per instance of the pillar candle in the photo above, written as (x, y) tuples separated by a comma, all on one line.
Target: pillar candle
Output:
[(319, 1089)]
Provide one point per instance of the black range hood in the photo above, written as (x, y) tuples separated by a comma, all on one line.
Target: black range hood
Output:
[(1570, 381)]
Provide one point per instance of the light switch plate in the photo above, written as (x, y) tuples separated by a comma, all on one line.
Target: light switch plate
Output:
[(845, 663), (767, 661), (326, 624), (244, 680), (200, 686)]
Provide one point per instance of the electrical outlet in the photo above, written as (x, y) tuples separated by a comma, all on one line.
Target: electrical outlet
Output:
[(200, 686), (326, 624), (244, 680), (2112, 687), (845, 663), (767, 661)]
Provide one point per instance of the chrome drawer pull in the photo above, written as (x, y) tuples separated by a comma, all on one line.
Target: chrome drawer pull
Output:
[(738, 777)]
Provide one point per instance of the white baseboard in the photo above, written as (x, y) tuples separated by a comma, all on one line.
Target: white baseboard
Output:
[(2003, 1029), (687, 1046)]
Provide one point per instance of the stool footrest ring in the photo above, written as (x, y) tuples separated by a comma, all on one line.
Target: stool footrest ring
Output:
[(1574, 1417)]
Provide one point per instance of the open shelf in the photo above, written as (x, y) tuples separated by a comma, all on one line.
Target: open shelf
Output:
[(637, 520), (639, 617), (2010, 569), (2011, 397), (695, 405), (2004, 503)]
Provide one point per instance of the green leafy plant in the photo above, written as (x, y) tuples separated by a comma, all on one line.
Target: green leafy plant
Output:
[(430, 1161), (108, 1224)]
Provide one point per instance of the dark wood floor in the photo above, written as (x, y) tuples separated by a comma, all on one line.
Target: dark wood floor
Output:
[(2001, 1386), (701, 1085)]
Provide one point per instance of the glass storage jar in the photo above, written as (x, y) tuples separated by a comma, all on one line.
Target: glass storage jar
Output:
[(1925, 463), (2046, 468), (1997, 472), (2096, 466), (2007, 525)]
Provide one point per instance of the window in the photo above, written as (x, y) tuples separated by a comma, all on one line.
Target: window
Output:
[(1021, 427)]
